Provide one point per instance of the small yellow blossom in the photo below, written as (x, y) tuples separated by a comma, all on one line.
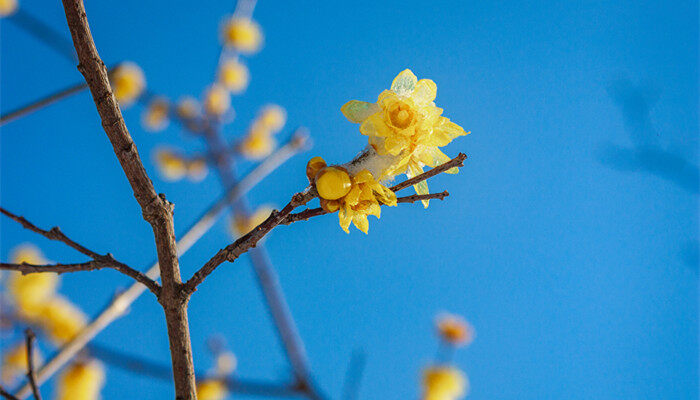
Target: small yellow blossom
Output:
[(217, 100), (406, 124), (29, 292), (444, 383), (234, 76), (197, 169), (14, 362), (226, 363), (355, 197), (257, 144), (81, 381), (242, 225), (155, 115), (7, 7), (170, 165), (242, 34), (27, 253), (61, 320), (211, 389), (128, 82), (454, 329), (272, 118), (188, 108)]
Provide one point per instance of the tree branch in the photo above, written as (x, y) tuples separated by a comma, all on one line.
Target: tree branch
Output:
[(455, 162), (99, 261), (7, 395), (31, 376), (43, 102), (156, 210)]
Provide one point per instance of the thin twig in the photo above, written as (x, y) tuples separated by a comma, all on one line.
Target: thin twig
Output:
[(44, 33), (98, 261), (123, 299), (455, 162), (31, 376), (7, 395), (43, 102), (353, 376)]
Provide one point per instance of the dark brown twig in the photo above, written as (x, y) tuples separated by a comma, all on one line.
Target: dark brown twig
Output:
[(98, 261), (31, 376), (455, 162), (7, 395)]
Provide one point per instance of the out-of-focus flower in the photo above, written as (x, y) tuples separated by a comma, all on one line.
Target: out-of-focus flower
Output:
[(61, 320), (7, 7), (29, 292), (454, 329), (242, 225), (355, 196), (128, 82), (155, 115), (81, 381), (226, 363), (217, 100), (188, 108), (242, 34), (257, 145), (171, 166), (406, 124), (444, 383), (234, 76), (14, 362), (197, 169), (211, 389), (272, 118)]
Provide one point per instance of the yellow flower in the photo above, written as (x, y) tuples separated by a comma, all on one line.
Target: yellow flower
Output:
[(226, 363), (7, 7), (81, 381), (61, 320), (454, 329), (444, 383), (406, 124), (257, 144), (155, 116), (354, 197), (187, 108), (27, 253), (272, 118), (128, 82), (14, 362), (241, 225), (242, 34), (211, 389), (217, 100), (29, 292), (234, 76), (197, 169), (170, 165)]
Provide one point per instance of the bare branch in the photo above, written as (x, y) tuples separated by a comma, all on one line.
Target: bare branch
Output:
[(122, 300), (31, 376), (99, 261), (7, 395), (42, 102), (455, 162), (44, 33)]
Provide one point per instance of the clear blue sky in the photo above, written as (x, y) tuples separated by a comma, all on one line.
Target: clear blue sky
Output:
[(569, 239)]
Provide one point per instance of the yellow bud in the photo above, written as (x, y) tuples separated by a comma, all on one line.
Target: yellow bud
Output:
[(444, 382), (234, 76), (61, 319), (454, 329), (197, 170), (242, 34), (272, 118), (7, 7), (81, 381), (313, 166), (217, 100), (332, 183), (257, 145), (14, 362), (170, 165), (155, 116), (211, 389), (128, 82), (187, 108)]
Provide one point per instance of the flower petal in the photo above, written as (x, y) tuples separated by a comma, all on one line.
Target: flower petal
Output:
[(360, 221), (357, 111), (404, 83), (425, 91)]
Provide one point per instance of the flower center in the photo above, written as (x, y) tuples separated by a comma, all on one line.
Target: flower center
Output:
[(401, 116)]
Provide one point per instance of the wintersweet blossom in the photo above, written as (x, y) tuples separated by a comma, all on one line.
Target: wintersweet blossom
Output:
[(81, 381), (155, 115), (217, 100), (29, 292), (188, 108), (7, 7), (128, 82), (61, 319), (197, 169), (406, 127), (355, 195), (171, 165), (14, 362), (272, 118), (211, 389), (242, 34), (454, 330), (444, 383), (234, 76), (257, 144)]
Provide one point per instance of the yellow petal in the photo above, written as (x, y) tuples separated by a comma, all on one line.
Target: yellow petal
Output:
[(360, 221), (425, 91), (357, 111), (404, 83), (345, 218), (375, 209)]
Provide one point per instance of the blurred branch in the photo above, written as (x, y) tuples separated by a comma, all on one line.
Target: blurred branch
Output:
[(119, 305), (42, 102), (98, 261), (353, 376), (8, 396), (51, 37), (31, 376)]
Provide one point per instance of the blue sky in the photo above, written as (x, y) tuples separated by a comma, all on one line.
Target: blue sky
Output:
[(569, 240)]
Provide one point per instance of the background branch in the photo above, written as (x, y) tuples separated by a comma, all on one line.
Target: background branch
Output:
[(31, 376), (42, 102)]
